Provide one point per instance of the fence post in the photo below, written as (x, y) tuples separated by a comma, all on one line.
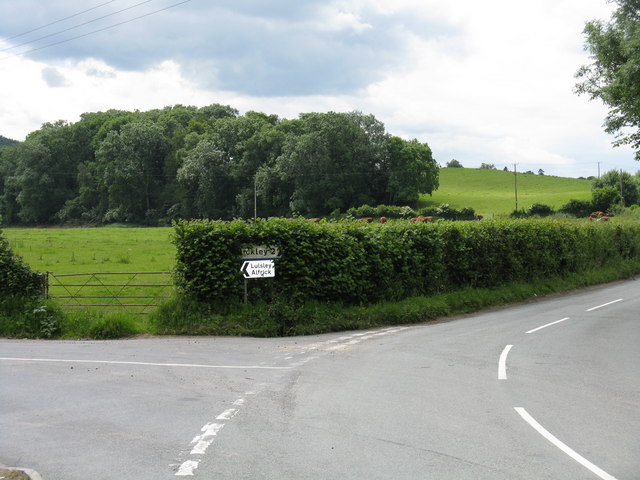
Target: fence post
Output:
[(45, 284)]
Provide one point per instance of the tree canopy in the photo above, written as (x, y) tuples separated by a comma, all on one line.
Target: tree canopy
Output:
[(211, 162), (623, 182), (614, 74)]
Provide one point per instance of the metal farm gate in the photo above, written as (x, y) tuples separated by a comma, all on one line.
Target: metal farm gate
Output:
[(135, 292)]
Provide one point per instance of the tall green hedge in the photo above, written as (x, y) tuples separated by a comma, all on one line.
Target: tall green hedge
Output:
[(16, 278), (353, 262)]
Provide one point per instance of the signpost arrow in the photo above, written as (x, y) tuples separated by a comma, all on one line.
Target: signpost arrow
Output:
[(258, 269)]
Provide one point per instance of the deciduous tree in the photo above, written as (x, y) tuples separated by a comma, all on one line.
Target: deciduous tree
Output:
[(613, 76)]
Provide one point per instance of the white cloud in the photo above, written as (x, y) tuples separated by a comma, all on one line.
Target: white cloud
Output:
[(479, 81)]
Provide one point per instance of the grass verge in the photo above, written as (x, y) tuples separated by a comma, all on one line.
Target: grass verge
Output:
[(29, 318), (187, 317), (13, 475)]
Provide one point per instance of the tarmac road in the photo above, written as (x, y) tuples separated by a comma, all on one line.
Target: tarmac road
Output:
[(549, 389)]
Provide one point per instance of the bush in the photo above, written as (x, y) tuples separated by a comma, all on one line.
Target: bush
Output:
[(16, 278), (357, 263), (446, 212), (535, 210), (540, 210), (577, 208), (605, 198), (389, 211), (29, 317)]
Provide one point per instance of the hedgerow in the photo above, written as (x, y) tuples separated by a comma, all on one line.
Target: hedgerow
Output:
[(23, 312), (16, 278), (354, 263)]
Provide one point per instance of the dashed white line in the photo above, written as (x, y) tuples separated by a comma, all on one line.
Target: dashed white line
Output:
[(604, 305), (187, 468), (202, 442), (502, 363), (548, 325), (228, 414), (566, 449)]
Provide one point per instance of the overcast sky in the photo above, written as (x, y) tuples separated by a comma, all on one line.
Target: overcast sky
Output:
[(488, 81)]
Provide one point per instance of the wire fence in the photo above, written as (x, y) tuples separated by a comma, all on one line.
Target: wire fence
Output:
[(135, 292)]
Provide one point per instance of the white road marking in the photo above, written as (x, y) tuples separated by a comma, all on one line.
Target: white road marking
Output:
[(202, 442), (547, 325), (502, 363), (228, 414), (187, 468), (148, 364), (604, 305), (569, 451)]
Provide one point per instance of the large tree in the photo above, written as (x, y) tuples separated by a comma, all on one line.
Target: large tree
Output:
[(132, 162), (623, 182), (335, 163), (411, 171), (614, 74)]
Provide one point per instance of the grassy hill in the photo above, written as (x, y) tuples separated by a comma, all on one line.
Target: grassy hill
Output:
[(492, 191)]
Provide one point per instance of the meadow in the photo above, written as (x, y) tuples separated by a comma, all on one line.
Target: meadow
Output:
[(492, 192), (112, 254), (84, 250)]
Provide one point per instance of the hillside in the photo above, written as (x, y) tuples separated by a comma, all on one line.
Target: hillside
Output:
[(4, 141), (492, 191)]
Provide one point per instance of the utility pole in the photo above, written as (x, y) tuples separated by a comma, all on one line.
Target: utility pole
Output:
[(255, 197), (515, 182), (621, 194), (598, 169)]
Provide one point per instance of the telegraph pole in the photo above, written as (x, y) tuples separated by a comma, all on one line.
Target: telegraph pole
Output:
[(621, 193), (515, 182), (255, 197)]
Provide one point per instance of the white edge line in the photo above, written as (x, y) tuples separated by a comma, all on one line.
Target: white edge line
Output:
[(604, 305), (547, 325), (502, 363), (105, 362), (569, 451)]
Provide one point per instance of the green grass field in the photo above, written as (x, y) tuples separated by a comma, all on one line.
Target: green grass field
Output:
[(82, 250), (104, 252), (492, 192)]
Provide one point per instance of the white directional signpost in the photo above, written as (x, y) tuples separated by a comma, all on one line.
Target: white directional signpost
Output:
[(258, 262), (261, 252), (258, 269)]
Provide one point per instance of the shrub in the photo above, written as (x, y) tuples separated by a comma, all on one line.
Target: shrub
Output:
[(28, 317), (605, 198), (577, 208), (389, 211), (16, 278), (540, 210), (446, 212), (358, 263)]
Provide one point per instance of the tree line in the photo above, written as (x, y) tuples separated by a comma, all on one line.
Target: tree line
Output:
[(210, 162)]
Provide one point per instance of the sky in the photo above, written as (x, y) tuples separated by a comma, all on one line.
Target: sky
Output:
[(480, 82)]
